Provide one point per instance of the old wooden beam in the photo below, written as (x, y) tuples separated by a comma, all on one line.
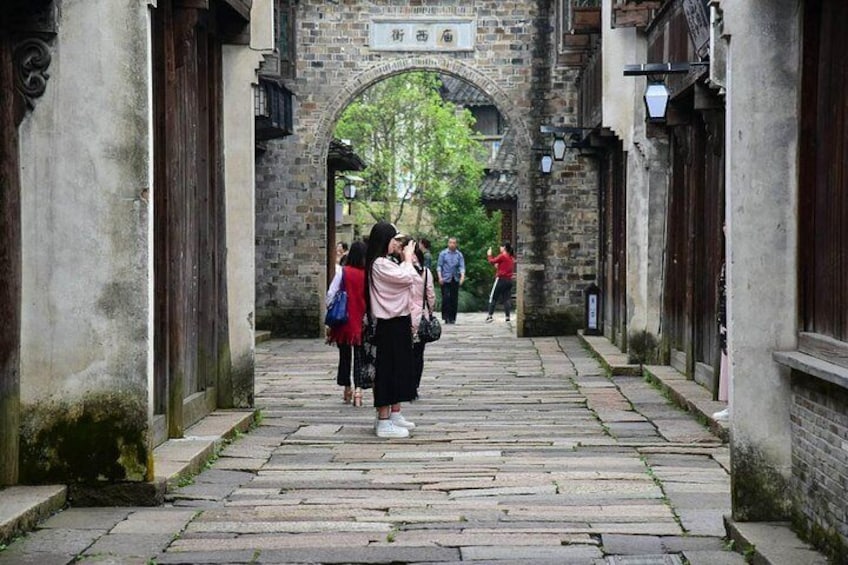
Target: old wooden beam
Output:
[(10, 266)]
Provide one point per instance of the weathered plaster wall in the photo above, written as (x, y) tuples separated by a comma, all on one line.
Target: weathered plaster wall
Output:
[(647, 174), (762, 240), (511, 62), (85, 335), (239, 72), (621, 46)]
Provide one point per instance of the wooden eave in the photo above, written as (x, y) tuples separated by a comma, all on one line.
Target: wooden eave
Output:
[(240, 7), (632, 14), (586, 19)]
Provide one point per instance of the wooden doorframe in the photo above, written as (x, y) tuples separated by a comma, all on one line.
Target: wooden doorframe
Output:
[(11, 114)]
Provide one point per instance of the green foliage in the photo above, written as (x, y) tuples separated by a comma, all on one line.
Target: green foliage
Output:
[(421, 150)]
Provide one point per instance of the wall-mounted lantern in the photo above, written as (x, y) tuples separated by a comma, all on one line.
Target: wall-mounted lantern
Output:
[(657, 94), (546, 164), (656, 100), (559, 146), (565, 137)]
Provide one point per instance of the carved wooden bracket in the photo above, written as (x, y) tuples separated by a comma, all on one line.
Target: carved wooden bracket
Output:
[(31, 57), (30, 28)]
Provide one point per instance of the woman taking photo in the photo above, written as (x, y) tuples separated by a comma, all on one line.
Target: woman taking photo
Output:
[(387, 287), (502, 288)]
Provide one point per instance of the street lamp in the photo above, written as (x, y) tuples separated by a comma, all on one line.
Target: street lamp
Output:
[(657, 94), (546, 164), (349, 190), (559, 146), (656, 100)]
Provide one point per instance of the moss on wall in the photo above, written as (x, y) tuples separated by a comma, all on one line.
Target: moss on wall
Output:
[(289, 322), (760, 492), (101, 438), (547, 324)]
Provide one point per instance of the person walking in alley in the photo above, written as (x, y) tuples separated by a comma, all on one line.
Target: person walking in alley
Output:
[(502, 287), (422, 301), (388, 286), (451, 271), (348, 336)]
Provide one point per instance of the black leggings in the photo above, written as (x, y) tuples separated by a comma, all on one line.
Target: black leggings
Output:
[(501, 291), (343, 374)]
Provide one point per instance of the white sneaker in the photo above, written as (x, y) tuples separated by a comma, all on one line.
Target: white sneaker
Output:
[(399, 420), (722, 416), (388, 429)]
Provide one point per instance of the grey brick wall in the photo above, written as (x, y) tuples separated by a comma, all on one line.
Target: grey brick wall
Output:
[(512, 62), (819, 419)]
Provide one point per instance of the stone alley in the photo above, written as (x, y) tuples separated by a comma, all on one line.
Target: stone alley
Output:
[(525, 451)]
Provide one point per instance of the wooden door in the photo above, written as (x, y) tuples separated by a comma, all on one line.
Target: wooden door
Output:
[(189, 247)]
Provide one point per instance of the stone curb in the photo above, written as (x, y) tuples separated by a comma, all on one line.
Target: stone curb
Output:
[(685, 393), (771, 543), (763, 543), (261, 335), (22, 507)]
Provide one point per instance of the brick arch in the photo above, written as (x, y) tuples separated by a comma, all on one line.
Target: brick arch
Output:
[(362, 81)]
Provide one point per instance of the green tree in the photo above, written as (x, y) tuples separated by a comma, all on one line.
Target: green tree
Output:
[(421, 154), (461, 215)]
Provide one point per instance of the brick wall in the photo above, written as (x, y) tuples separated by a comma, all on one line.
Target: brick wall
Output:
[(819, 419), (557, 214)]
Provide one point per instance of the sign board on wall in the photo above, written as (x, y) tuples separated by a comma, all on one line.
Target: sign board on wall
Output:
[(422, 35)]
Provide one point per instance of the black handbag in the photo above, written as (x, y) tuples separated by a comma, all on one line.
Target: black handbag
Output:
[(337, 308), (429, 328)]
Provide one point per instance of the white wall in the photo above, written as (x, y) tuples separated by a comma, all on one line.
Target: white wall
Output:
[(86, 156), (762, 202), (240, 65)]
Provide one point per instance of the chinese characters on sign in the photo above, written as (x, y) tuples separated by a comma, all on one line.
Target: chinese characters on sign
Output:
[(422, 35)]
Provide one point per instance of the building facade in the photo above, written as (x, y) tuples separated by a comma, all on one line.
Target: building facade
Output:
[(127, 182), (753, 140)]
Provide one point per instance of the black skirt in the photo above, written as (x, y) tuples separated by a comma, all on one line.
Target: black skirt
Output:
[(395, 376)]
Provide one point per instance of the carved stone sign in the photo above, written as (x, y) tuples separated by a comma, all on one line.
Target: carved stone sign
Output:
[(697, 16), (422, 35)]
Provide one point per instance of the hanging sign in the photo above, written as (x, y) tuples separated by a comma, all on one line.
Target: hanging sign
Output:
[(697, 16), (422, 35)]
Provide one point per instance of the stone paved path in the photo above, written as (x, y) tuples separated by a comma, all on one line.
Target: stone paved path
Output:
[(524, 453)]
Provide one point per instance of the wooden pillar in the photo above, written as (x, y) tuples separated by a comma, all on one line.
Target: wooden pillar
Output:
[(11, 113)]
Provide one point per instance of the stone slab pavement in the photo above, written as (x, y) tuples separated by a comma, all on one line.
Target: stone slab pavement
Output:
[(525, 452)]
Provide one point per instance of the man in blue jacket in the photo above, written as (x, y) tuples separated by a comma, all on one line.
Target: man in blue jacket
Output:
[(451, 270)]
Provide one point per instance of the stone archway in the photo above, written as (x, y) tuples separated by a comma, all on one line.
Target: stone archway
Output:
[(361, 82), (358, 84), (507, 53)]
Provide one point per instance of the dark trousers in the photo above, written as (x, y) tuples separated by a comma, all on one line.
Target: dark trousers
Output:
[(501, 291), (450, 300), (348, 353)]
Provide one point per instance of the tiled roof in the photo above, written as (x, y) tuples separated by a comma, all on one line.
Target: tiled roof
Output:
[(464, 93), (499, 187)]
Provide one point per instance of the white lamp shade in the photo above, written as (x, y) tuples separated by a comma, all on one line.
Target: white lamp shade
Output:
[(559, 148), (656, 100), (349, 191), (546, 164)]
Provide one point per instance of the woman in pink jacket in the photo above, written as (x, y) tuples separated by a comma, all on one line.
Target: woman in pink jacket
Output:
[(388, 286), (418, 306)]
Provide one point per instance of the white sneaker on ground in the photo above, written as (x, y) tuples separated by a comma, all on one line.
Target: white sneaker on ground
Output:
[(399, 420), (388, 429), (489, 319), (722, 416)]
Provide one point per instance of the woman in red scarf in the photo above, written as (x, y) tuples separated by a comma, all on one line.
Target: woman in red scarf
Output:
[(348, 336)]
